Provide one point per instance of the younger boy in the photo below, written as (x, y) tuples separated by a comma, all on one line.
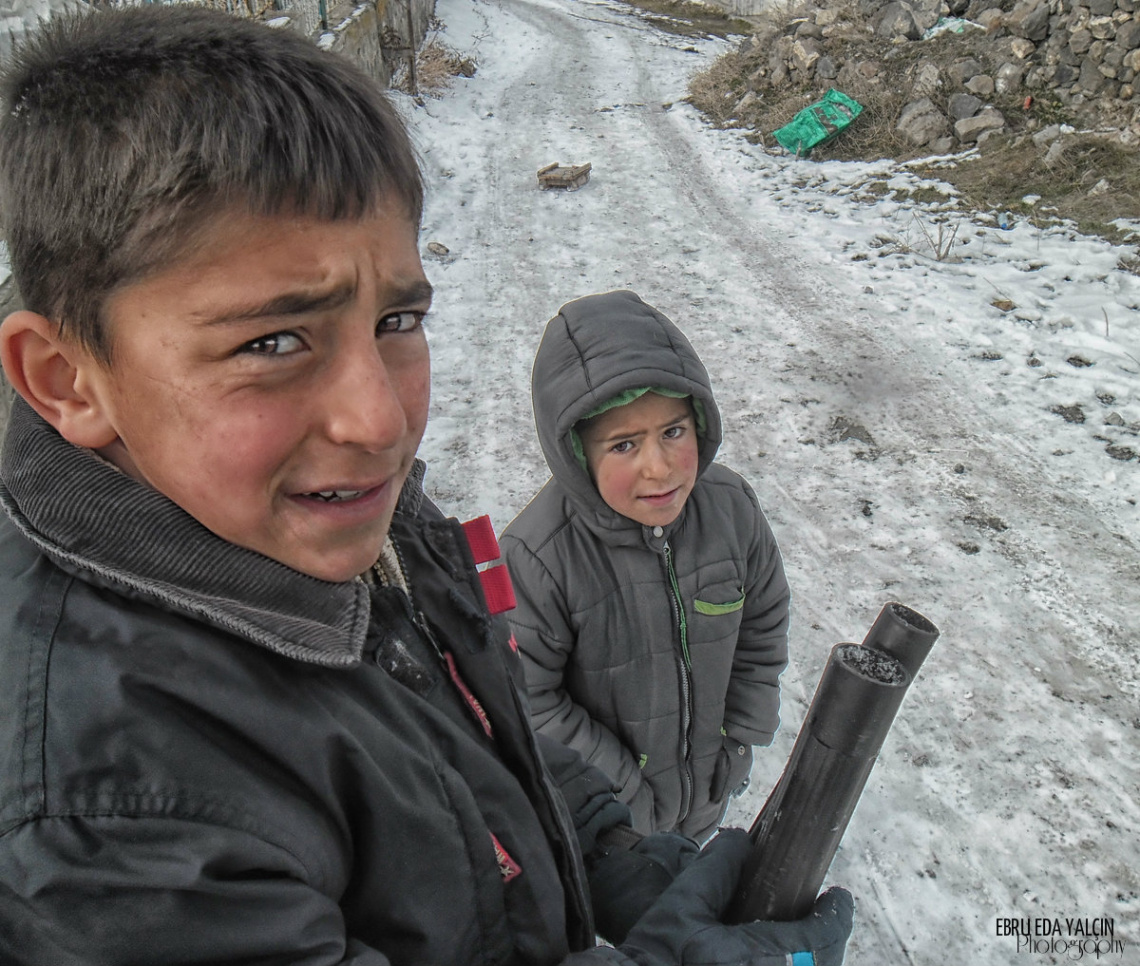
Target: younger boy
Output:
[(653, 609), (254, 707)]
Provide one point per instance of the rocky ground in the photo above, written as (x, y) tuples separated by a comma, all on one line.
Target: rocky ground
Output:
[(1046, 92)]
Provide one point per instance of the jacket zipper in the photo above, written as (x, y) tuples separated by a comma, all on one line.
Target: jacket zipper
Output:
[(420, 622), (685, 666)]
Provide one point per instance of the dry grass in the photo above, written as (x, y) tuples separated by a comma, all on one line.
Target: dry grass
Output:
[(715, 91), (1093, 181), (436, 65), (690, 19)]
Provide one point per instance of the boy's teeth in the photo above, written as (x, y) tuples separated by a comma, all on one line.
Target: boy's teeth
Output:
[(330, 496)]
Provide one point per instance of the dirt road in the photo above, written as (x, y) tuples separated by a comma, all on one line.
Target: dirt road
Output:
[(893, 465)]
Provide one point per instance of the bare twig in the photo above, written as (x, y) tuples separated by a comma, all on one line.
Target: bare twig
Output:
[(942, 243)]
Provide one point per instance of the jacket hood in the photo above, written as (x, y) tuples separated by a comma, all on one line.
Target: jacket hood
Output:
[(595, 349)]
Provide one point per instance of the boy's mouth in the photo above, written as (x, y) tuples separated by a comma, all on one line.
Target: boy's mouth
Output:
[(659, 498), (336, 496), (354, 497)]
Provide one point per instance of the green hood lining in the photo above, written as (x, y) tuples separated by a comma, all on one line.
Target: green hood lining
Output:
[(624, 399)]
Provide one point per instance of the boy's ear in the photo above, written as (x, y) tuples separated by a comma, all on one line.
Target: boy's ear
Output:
[(57, 378)]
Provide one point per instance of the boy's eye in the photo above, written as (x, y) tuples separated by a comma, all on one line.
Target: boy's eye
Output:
[(400, 322), (276, 344), (623, 447), (673, 432)]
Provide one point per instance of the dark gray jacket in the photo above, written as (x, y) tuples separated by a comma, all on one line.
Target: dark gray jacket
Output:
[(641, 644), (207, 757)]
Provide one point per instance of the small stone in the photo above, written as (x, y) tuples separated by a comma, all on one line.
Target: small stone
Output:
[(993, 20), (1029, 20), (1102, 28), (1128, 35), (1080, 41), (962, 70), (968, 129), (805, 53), (921, 122), (1047, 135), (1022, 48), (1071, 414), (927, 80), (1009, 77), (982, 85), (896, 20), (961, 106)]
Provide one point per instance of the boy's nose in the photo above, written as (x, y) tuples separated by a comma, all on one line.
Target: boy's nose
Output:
[(362, 405), (654, 464)]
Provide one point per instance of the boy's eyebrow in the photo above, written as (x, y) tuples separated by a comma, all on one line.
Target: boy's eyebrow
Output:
[(666, 425), (290, 303), (303, 303), (418, 291)]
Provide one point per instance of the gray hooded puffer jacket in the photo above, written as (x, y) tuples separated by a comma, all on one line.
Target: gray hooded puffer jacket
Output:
[(655, 652)]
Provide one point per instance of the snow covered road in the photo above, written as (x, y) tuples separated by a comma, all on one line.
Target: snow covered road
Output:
[(905, 435)]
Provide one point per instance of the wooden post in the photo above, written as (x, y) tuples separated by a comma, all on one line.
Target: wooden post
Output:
[(412, 53)]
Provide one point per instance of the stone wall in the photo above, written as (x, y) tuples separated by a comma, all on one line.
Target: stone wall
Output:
[(375, 33), (1090, 48), (1083, 54)]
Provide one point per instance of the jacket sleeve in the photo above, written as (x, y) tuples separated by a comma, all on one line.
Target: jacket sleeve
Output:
[(123, 891), (752, 706), (546, 640)]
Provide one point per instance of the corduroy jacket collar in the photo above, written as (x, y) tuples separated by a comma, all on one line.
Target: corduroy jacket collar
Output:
[(103, 526)]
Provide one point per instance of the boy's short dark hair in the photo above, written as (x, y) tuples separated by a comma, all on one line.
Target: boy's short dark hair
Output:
[(124, 132)]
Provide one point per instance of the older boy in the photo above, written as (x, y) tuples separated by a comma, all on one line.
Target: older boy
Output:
[(255, 709)]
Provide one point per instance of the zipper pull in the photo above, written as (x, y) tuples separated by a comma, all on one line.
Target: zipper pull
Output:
[(448, 662)]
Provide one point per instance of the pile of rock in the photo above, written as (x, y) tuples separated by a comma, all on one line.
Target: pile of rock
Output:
[(1083, 54)]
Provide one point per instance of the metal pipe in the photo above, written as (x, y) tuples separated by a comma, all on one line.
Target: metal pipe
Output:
[(801, 824)]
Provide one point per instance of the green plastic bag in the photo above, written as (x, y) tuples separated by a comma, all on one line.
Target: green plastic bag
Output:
[(818, 123)]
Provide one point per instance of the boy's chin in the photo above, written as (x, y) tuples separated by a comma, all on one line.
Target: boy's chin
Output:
[(332, 565), (653, 519), (335, 571)]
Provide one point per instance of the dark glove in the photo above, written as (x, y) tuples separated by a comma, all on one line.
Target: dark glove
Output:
[(588, 792), (624, 883), (683, 927)]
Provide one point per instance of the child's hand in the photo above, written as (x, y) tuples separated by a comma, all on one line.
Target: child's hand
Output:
[(733, 769), (625, 884), (684, 927)]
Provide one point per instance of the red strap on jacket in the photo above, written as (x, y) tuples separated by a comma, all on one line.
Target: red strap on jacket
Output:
[(497, 587), (481, 536)]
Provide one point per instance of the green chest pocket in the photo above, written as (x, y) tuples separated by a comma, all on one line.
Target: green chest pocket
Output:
[(714, 610)]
